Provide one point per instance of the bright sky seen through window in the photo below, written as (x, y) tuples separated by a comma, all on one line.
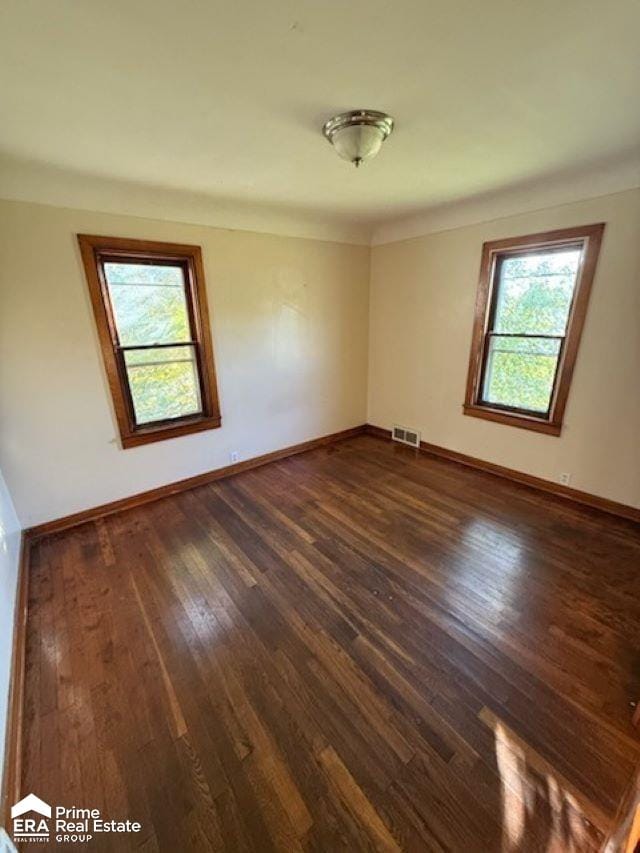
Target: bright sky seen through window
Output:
[(532, 302), (150, 309)]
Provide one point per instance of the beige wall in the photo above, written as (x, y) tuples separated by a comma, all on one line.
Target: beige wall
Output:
[(291, 319), (421, 302), (289, 323)]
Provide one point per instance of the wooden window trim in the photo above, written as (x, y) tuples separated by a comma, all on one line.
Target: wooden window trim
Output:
[(590, 236), (94, 250)]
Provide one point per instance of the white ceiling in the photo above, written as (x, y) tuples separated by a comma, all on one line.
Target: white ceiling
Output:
[(227, 99)]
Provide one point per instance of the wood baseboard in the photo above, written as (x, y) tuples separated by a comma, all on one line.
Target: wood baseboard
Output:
[(12, 771), (585, 498), (95, 512)]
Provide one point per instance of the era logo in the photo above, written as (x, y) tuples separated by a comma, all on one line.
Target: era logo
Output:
[(25, 828)]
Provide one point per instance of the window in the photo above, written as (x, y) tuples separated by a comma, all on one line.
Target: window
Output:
[(150, 306), (530, 309)]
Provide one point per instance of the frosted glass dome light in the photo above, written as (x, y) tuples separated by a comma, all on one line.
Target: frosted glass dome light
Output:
[(358, 135)]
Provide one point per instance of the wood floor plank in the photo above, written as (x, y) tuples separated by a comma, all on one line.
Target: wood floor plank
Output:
[(355, 800), (357, 648)]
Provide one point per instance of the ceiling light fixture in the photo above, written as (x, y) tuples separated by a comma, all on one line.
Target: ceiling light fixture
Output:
[(358, 135)]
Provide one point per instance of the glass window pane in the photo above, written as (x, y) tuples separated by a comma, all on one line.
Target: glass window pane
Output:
[(520, 371), (535, 291), (163, 383), (148, 302)]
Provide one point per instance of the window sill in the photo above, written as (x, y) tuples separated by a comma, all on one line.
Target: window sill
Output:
[(522, 421), (162, 433)]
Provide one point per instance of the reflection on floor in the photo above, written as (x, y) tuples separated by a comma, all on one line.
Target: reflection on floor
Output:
[(357, 648)]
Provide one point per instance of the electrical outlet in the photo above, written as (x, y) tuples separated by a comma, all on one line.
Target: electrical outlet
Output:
[(234, 456), (565, 479)]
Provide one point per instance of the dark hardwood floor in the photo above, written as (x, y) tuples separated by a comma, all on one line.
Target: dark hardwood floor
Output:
[(358, 648)]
